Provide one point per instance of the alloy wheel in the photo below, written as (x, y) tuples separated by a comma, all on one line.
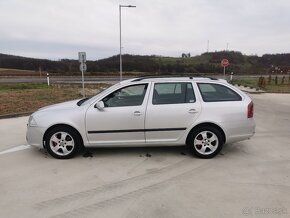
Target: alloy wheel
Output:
[(206, 142), (61, 143)]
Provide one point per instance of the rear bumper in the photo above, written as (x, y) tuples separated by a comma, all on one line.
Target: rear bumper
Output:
[(240, 131), (34, 136)]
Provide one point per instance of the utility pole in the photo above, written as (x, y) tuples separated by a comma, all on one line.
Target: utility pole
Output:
[(39, 71), (207, 50), (120, 25)]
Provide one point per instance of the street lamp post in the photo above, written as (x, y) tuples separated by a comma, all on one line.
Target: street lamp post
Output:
[(120, 23)]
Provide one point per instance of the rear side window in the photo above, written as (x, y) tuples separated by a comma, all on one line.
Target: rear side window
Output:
[(215, 92), (173, 93)]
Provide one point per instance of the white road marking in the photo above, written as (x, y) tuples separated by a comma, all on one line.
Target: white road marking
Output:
[(17, 148)]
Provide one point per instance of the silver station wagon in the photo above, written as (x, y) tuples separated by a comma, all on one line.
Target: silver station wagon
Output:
[(203, 113)]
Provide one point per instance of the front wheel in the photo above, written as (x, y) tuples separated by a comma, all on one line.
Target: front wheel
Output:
[(62, 142), (206, 142)]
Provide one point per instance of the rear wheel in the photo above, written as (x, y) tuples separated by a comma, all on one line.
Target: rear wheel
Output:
[(62, 142), (206, 142)]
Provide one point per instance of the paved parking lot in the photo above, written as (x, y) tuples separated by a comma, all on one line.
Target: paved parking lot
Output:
[(248, 179)]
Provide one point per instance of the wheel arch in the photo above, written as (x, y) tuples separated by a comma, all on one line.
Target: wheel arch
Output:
[(62, 125), (206, 124)]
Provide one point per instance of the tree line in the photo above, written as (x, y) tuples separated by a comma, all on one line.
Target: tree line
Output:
[(205, 63)]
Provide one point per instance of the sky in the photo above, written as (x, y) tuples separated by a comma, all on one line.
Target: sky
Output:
[(56, 29)]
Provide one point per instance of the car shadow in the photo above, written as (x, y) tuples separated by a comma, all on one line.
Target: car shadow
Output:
[(148, 152), (135, 151)]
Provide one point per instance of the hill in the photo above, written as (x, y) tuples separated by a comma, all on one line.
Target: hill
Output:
[(206, 63)]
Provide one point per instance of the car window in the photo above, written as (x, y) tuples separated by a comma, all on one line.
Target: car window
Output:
[(215, 92), (128, 96), (173, 93)]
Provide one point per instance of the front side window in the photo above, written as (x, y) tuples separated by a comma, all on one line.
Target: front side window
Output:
[(215, 92), (127, 96), (173, 93)]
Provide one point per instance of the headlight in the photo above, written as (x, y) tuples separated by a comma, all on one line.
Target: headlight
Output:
[(31, 121)]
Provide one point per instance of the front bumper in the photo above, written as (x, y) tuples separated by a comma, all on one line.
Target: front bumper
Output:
[(34, 136)]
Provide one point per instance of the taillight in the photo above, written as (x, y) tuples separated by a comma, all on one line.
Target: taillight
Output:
[(250, 110)]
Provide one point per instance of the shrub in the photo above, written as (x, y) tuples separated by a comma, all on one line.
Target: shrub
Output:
[(262, 82), (269, 79), (283, 80)]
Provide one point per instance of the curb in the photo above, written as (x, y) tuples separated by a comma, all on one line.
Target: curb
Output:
[(5, 116), (249, 90)]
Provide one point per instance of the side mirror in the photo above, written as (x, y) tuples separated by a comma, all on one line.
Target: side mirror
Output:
[(100, 105)]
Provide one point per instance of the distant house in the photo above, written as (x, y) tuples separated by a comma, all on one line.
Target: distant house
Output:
[(184, 55)]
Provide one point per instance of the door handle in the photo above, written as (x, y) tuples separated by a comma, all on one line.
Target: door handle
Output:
[(192, 111), (137, 113)]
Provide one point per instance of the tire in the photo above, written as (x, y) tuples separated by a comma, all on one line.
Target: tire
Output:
[(62, 142), (205, 142)]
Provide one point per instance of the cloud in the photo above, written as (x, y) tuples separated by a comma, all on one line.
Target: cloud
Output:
[(60, 28)]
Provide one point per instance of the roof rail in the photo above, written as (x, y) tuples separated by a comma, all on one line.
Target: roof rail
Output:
[(212, 78), (160, 76), (164, 76)]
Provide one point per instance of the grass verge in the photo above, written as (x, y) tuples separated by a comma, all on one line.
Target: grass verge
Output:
[(21, 98), (271, 86)]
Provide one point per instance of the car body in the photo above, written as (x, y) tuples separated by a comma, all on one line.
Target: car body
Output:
[(203, 113)]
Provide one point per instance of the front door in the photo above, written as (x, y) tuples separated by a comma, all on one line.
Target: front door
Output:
[(121, 122)]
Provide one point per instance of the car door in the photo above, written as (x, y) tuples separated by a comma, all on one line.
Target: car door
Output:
[(172, 108), (223, 105), (121, 121)]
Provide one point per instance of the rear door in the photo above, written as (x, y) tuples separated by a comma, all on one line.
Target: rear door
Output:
[(172, 108), (223, 105)]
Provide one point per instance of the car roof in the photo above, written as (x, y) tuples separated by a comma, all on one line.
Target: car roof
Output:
[(172, 79)]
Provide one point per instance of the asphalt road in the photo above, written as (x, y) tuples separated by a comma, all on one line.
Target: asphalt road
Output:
[(90, 79), (248, 179)]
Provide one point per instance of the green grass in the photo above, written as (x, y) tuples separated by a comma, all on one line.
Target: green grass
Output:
[(251, 82), (11, 69), (22, 86), (270, 87)]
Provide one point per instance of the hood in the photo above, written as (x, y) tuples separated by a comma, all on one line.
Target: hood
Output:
[(61, 106)]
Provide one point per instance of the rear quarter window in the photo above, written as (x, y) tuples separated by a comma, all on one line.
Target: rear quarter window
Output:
[(211, 92)]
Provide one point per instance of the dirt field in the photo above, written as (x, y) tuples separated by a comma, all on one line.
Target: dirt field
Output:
[(20, 98), (15, 72)]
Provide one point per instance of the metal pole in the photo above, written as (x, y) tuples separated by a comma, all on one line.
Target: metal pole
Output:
[(224, 72), (83, 82), (120, 44), (47, 77), (120, 24)]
